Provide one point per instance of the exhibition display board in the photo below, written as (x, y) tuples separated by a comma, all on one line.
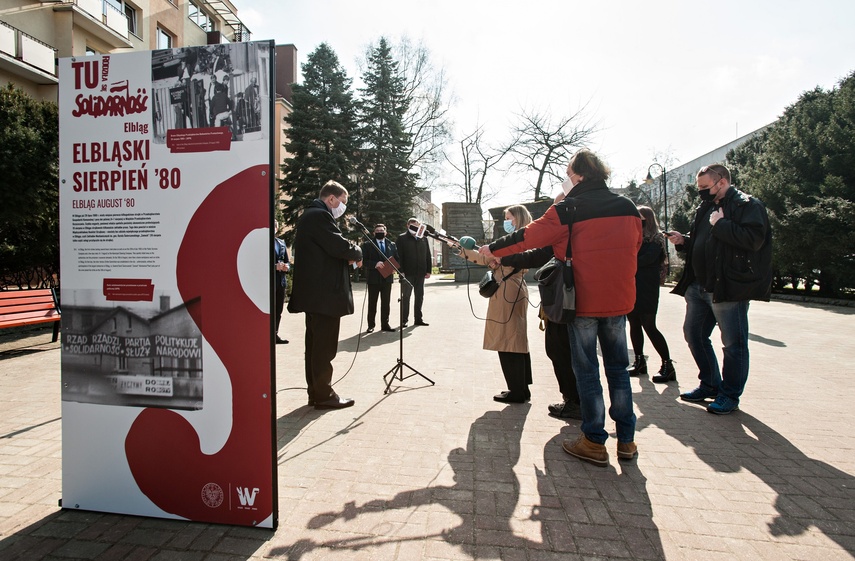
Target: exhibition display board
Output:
[(166, 206)]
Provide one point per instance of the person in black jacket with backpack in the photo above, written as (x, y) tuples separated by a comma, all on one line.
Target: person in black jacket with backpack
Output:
[(728, 263)]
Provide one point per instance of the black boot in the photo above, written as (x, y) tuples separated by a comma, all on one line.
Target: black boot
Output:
[(640, 366), (666, 373)]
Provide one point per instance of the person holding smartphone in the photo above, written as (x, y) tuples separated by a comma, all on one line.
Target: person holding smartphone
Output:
[(728, 263)]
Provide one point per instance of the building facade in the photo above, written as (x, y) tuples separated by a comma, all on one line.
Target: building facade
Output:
[(34, 34)]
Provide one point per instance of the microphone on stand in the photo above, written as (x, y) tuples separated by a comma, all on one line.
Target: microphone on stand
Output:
[(355, 222)]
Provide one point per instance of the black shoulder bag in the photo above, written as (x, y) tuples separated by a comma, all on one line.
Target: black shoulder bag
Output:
[(488, 285), (556, 284)]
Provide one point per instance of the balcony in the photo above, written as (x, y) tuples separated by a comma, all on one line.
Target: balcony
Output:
[(225, 10), (100, 19), (26, 56)]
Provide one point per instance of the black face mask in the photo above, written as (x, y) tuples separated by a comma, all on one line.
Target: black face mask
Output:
[(413, 229), (706, 195), (379, 235)]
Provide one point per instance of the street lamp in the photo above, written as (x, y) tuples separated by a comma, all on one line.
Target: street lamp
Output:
[(649, 181)]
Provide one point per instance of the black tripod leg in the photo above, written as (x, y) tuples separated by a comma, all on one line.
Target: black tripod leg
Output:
[(398, 369)]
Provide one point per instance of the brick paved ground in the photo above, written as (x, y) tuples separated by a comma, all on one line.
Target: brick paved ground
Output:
[(444, 473)]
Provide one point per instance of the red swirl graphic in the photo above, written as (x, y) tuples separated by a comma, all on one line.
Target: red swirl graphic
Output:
[(163, 449)]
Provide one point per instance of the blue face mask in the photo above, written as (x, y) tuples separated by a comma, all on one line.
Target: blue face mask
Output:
[(509, 226)]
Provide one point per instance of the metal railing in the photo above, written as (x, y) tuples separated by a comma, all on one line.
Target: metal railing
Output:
[(27, 49)]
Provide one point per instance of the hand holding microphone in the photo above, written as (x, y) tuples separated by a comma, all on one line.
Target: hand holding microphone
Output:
[(485, 251)]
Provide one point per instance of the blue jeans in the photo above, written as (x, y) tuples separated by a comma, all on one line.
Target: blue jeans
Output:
[(702, 314), (611, 333)]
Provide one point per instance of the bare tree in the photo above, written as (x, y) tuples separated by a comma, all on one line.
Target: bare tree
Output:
[(542, 145), (427, 118), (476, 160)]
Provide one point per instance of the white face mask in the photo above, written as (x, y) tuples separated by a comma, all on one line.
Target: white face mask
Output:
[(339, 210), (567, 186)]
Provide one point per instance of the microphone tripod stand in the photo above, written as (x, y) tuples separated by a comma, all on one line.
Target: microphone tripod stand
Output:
[(397, 371)]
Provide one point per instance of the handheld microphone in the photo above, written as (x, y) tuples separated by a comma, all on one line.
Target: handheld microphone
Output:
[(467, 242), (438, 235), (420, 233)]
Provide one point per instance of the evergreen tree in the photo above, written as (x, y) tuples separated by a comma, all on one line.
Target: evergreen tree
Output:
[(29, 197), (321, 135), (386, 184), (803, 168)]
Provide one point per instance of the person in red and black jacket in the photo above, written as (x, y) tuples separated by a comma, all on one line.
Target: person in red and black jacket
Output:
[(606, 236)]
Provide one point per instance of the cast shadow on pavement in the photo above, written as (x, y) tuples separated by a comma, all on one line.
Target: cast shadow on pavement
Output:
[(578, 508), (809, 493)]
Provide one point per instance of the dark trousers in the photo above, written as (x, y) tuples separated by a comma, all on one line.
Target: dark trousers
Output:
[(516, 367), (406, 290), (557, 342), (384, 291), (321, 347), (279, 296)]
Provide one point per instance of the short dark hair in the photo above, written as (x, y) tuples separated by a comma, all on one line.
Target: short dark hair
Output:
[(379, 226), (589, 165), (715, 169), (331, 188)]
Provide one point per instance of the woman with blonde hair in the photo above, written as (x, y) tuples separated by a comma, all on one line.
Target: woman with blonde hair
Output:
[(505, 330), (651, 256)]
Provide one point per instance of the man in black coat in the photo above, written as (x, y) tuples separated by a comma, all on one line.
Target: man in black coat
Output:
[(728, 263), (379, 276), (416, 266), (321, 289)]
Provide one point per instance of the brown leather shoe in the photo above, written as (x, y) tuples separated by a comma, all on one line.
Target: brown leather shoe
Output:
[(626, 450), (587, 451)]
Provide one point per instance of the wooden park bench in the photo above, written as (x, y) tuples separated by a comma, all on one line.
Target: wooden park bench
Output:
[(29, 307)]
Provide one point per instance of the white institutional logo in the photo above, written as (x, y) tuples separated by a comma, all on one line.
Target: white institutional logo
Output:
[(247, 497)]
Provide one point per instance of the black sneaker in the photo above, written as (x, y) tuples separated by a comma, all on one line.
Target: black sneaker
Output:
[(566, 410)]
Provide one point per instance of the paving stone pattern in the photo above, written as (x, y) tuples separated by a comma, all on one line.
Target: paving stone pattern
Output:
[(445, 473)]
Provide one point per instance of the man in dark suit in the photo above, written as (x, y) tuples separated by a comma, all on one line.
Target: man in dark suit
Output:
[(379, 276), (321, 289), (416, 266)]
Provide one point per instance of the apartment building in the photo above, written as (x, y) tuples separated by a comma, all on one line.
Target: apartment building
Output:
[(33, 34)]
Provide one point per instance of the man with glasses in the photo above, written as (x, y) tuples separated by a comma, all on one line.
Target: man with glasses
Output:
[(728, 263)]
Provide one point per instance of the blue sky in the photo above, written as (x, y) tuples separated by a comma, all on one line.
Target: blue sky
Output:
[(660, 77)]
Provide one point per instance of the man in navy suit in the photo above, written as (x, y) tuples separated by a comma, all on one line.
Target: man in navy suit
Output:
[(375, 269)]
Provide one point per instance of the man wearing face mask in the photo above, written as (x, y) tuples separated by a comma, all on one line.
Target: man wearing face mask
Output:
[(606, 235), (728, 263), (378, 274), (321, 289), (416, 266)]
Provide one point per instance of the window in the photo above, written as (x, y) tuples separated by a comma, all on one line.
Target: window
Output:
[(164, 39), (199, 17), (131, 14), (90, 51)]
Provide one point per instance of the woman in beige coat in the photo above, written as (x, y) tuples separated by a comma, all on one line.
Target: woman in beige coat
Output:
[(505, 330)]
